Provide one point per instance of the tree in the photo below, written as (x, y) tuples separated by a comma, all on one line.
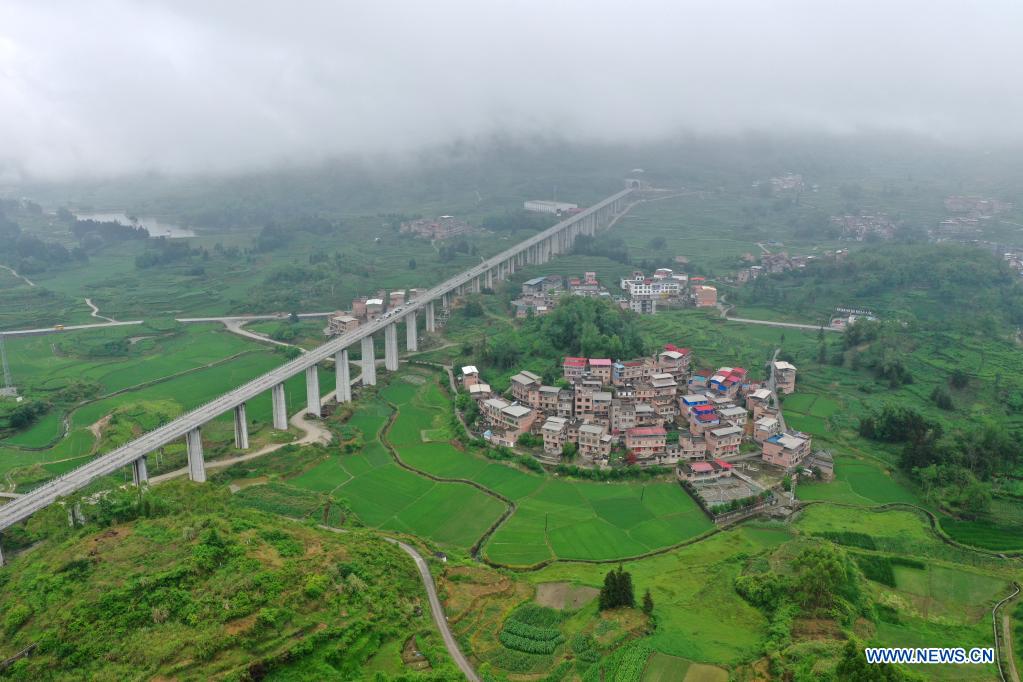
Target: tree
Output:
[(411, 263), (293, 317), (648, 603), (569, 450)]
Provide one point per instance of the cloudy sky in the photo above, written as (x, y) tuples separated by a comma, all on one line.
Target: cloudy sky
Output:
[(106, 87)]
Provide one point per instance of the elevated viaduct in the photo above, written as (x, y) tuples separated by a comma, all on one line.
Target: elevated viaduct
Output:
[(539, 248)]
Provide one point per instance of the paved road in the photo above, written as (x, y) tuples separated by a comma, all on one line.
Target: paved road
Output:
[(787, 325), (438, 612), (68, 328)]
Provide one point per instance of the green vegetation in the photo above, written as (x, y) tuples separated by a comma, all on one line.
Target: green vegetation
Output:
[(205, 589)]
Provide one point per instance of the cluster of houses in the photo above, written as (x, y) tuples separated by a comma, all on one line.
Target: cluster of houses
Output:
[(368, 308), (982, 208), (656, 409), (865, 226), (444, 227), (665, 286), (540, 295)]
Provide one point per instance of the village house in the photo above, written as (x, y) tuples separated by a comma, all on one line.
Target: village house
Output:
[(548, 399), (509, 420), (601, 369), (786, 450), (342, 323), (524, 382), (702, 418), (480, 391), (759, 396), (573, 368), (736, 416), (602, 406), (727, 381), (785, 376), (695, 472), (698, 381), (554, 432), (723, 441), (688, 402), (765, 428), (689, 446), (623, 415), (444, 227), (704, 296), (566, 402), (594, 442), (470, 375), (645, 441)]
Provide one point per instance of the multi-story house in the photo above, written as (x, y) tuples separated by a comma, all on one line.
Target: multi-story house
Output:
[(759, 396), (736, 416), (644, 441), (566, 402), (723, 441), (573, 368), (594, 443), (554, 432), (765, 428), (470, 375), (548, 399), (623, 415), (523, 383), (601, 369), (786, 449), (602, 406), (784, 376)]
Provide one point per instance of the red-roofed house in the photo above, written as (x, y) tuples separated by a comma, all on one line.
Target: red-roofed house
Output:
[(601, 368), (573, 368), (645, 440), (703, 471)]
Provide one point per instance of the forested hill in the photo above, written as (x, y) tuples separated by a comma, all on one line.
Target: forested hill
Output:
[(935, 285)]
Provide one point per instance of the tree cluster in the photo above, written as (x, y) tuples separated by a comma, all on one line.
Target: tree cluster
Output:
[(617, 590)]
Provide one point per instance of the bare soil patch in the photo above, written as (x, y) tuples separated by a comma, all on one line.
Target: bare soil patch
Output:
[(564, 596)]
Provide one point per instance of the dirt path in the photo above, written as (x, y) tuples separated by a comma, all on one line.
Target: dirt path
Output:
[(95, 311), (313, 432), (14, 272)]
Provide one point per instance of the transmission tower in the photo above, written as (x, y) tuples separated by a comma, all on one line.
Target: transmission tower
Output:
[(8, 390)]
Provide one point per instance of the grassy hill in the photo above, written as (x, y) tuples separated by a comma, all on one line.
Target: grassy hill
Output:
[(192, 592)]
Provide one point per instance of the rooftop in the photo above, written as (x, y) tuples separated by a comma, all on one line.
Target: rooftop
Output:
[(725, 431), (574, 362), (600, 362), (647, 431), (516, 410), (470, 369), (591, 428)]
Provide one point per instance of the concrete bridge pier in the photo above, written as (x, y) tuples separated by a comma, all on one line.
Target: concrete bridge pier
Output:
[(312, 391), (342, 376), (196, 464), (241, 428), (280, 407), (411, 333), (139, 472), (431, 318), (369, 362), (391, 347)]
